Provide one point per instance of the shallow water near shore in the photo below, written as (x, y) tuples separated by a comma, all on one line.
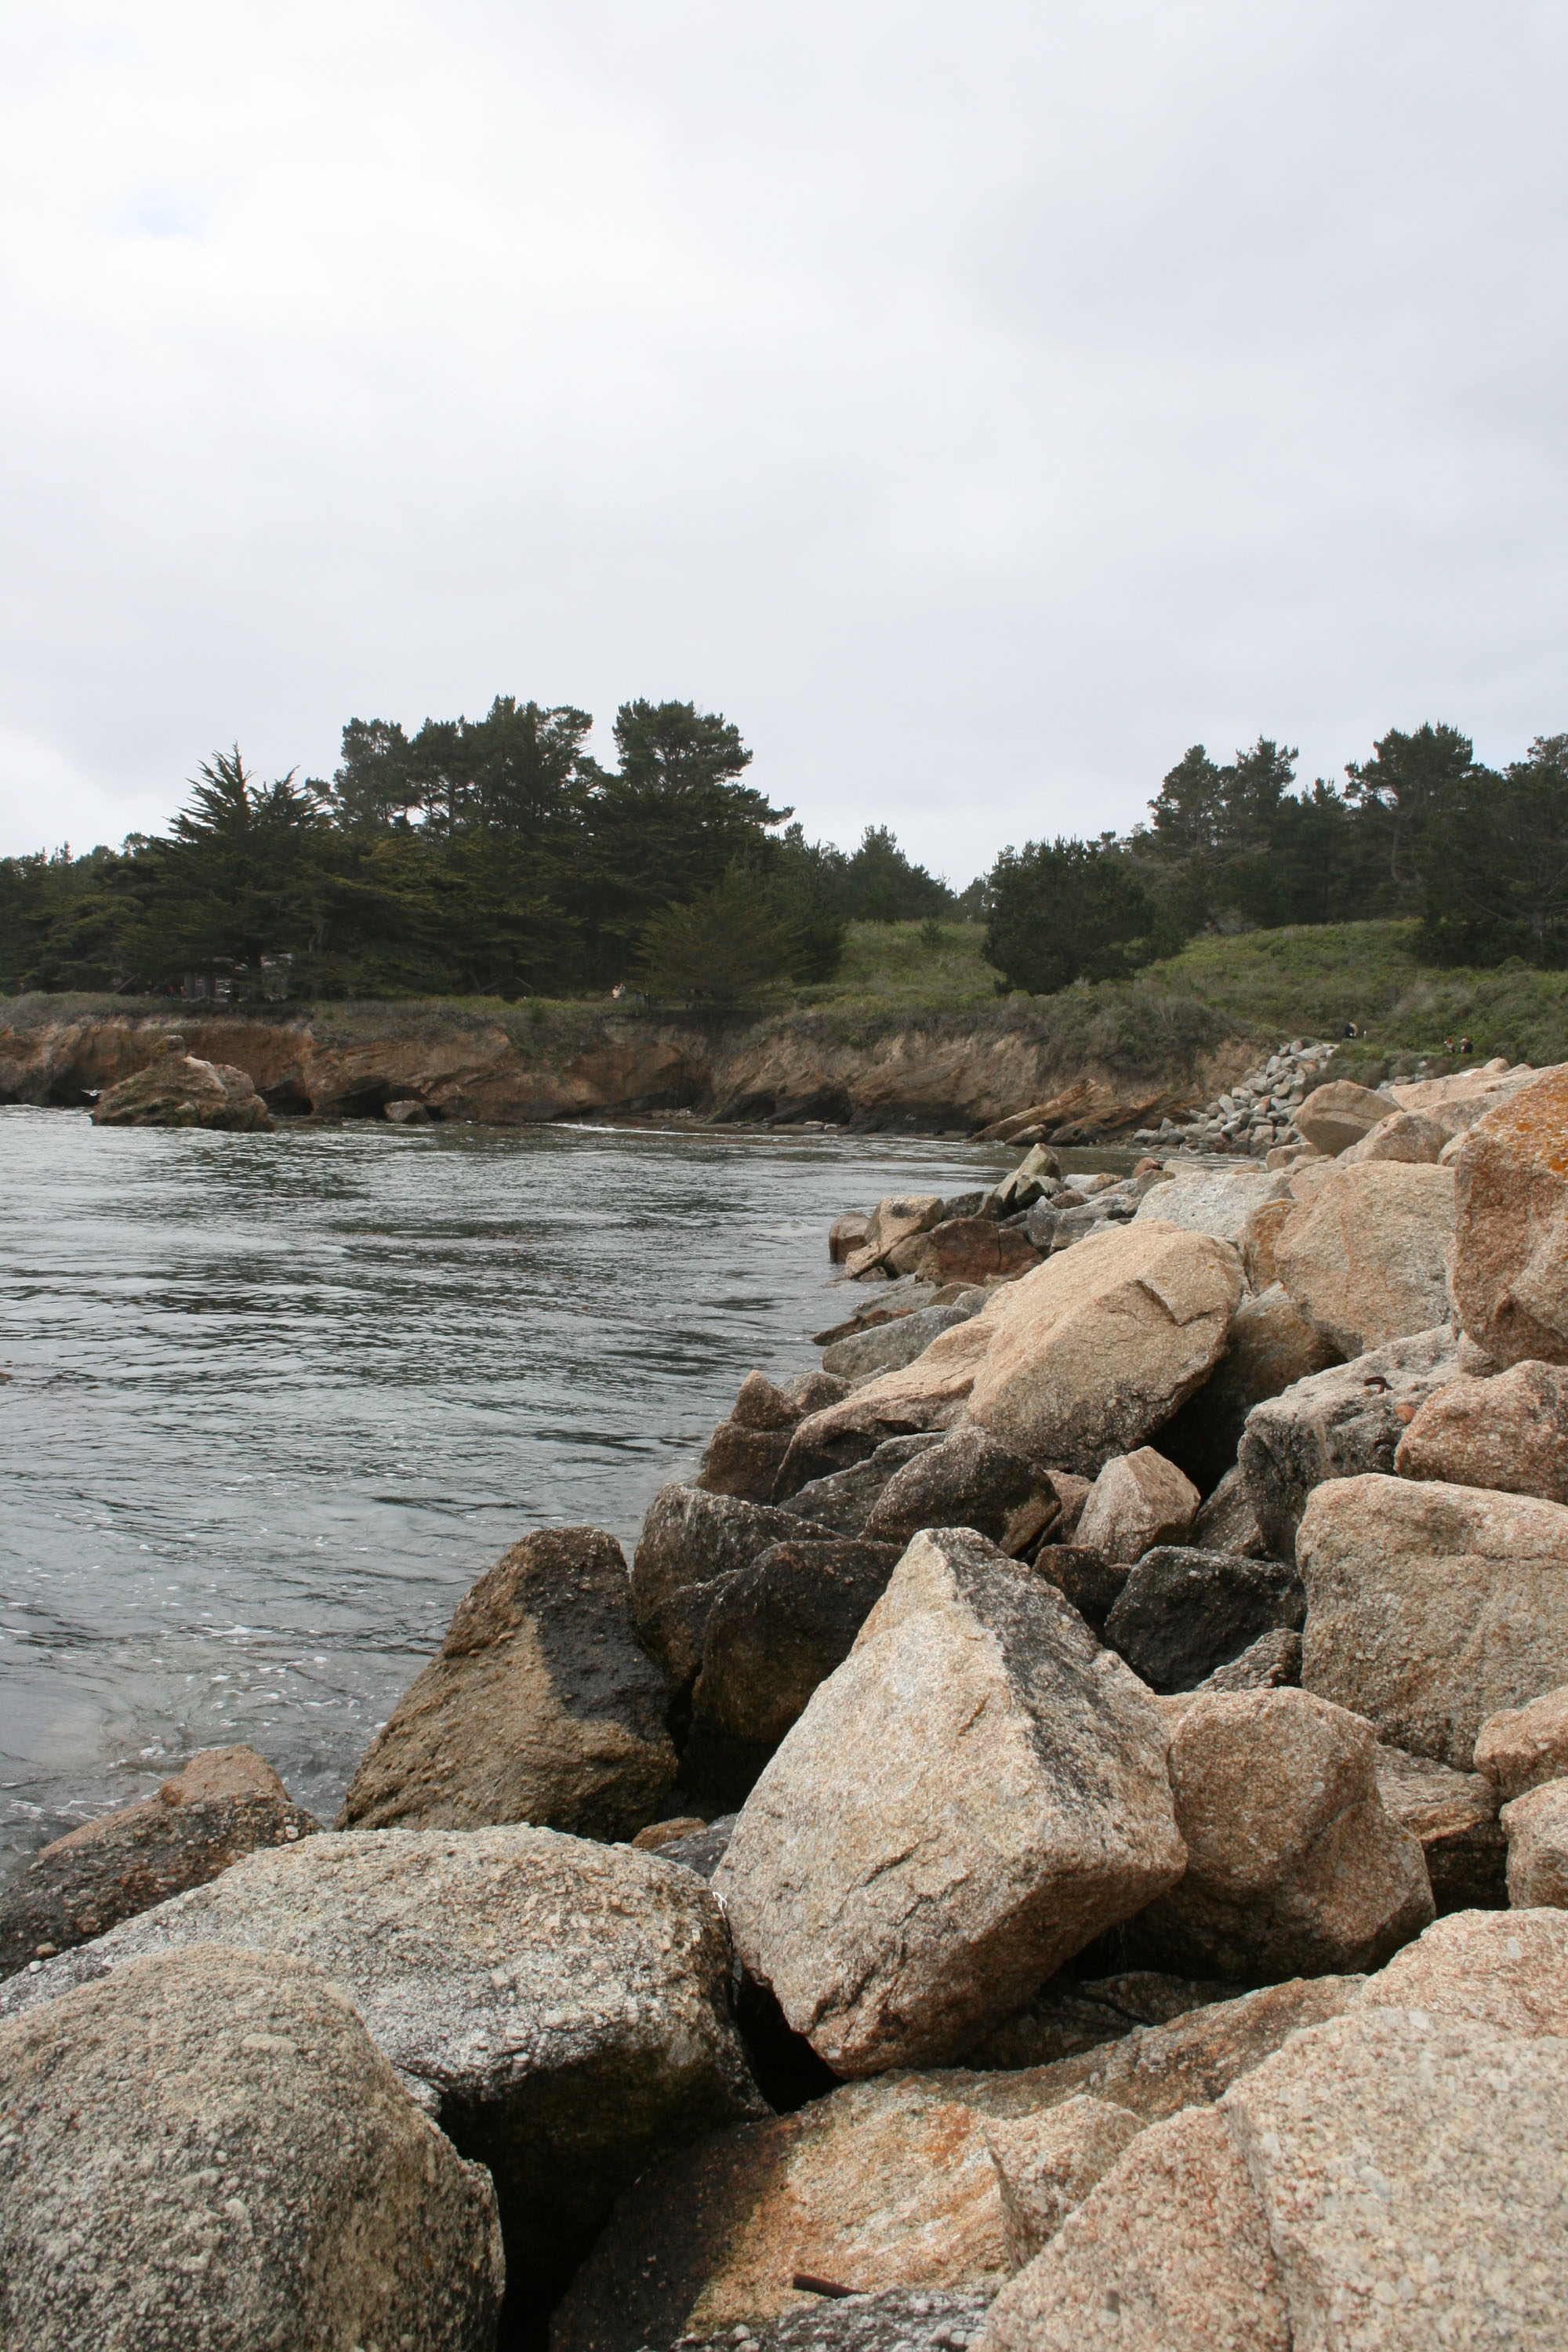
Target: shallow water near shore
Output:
[(271, 1403)]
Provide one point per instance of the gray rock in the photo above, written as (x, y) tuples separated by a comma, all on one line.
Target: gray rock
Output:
[(1338, 1425), (701, 1850), (1227, 1521), (691, 1544), (225, 1803), (841, 1503), (562, 2008), (541, 1706), (979, 1742), (967, 1479), (1182, 1613), (778, 1630), (905, 2319), (866, 1353), (1271, 1662), (1217, 1201), (1455, 1815), (205, 2149), (1086, 1577), (1293, 1867)]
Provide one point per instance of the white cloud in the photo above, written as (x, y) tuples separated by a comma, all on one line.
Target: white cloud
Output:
[(978, 406)]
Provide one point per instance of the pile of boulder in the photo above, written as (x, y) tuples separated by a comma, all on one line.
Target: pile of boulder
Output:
[(1058, 1838)]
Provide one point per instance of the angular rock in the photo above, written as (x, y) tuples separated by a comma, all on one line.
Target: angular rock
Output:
[(1168, 2254), (841, 1503), (1071, 2014), (1271, 1662), (1337, 1424), (775, 1632), (973, 1249), (1403, 1135), (878, 2186), (701, 1850), (691, 1545), (1138, 1500), (1048, 2164), (1365, 1258), (1080, 1359), (207, 2150), (1271, 1347), (967, 1479), (1214, 1201), (1536, 1827), (865, 1354), (745, 1453), (846, 1234), (975, 1793), (1507, 1969), (1337, 1116), (1509, 1432), (1430, 1607), (178, 1089), (1293, 1867), (1090, 1582), (1410, 2171), (1182, 1613), (898, 1218), (1458, 1101), (225, 1803), (1510, 1231), (1520, 1747), (561, 2008), (540, 1707), (1227, 1521), (1454, 1814)]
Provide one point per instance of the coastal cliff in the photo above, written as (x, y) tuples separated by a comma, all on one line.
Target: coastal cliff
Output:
[(519, 1064)]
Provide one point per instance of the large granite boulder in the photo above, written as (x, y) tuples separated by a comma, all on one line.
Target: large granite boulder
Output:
[(1454, 1816), (540, 1707), (1536, 1827), (776, 1631), (1507, 1969), (561, 2008), (975, 1793), (1520, 1747), (1048, 2163), (1403, 1135), (1510, 1232), (967, 1479), (1138, 1500), (1457, 1101), (692, 1543), (1183, 1613), (1365, 1257), (1293, 1867), (1338, 1423), (225, 1803), (206, 2149), (1509, 1432), (1337, 1116), (1083, 1359), (1430, 1607), (973, 1249), (898, 1218), (1271, 1345), (179, 1089), (1213, 1199)]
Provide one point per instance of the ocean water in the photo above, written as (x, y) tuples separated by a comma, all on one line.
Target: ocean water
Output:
[(268, 1404)]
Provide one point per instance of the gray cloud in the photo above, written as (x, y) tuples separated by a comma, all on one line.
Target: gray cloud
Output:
[(979, 405)]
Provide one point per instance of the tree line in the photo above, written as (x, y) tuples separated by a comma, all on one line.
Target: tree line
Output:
[(497, 857)]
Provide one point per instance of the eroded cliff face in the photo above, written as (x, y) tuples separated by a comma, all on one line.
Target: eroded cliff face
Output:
[(956, 1074)]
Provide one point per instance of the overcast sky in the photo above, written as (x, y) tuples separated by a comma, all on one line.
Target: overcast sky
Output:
[(978, 404)]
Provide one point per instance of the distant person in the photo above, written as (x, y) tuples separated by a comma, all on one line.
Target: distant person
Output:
[(1466, 1047), (1351, 1029)]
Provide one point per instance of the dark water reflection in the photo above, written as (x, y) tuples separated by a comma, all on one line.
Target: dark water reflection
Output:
[(273, 1402)]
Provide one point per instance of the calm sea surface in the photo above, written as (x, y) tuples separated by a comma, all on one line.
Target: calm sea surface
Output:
[(269, 1403)]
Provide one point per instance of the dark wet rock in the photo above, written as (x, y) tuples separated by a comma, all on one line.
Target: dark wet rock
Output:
[(1271, 1347), (841, 1503), (778, 1630), (691, 1544), (227, 1802), (206, 2150), (1271, 1662), (701, 1850), (1182, 1613), (1086, 1577), (967, 1479), (746, 1452), (1227, 1521), (1070, 2015), (540, 1707)]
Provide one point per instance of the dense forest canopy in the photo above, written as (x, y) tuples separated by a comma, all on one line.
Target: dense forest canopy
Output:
[(497, 857)]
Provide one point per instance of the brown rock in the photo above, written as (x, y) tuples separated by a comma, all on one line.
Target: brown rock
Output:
[(1336, 1116), (745, 1453), (1430, 1607), (1138, 1500), (1506, 1969), (1520, 1747), (1536, 1827), (1511, 1236), (179, 1089), (1293, 1867), (974, 1794), (1403, 1135), (1168, 2254), (1454, 1814), (1510, 1433), (969, 1479), (898, 1218), (1458, 1101), (1071, 2014), (693, 1543), (207, 2150), (845, 1235), (659, 1834), (972, 1249), (1365, 1258), (227, 1802), (540, 1707), (1048, 2163)]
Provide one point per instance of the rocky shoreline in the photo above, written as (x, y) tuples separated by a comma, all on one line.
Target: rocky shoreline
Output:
[(1058, 1836)]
